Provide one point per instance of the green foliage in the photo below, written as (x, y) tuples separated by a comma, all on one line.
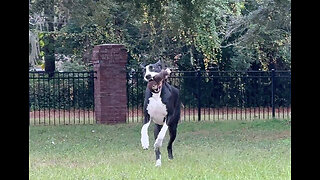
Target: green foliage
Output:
[(264, 36), (187, 34)]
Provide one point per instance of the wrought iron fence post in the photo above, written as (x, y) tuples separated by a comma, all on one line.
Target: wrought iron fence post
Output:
[(272, 92), (199, 100)]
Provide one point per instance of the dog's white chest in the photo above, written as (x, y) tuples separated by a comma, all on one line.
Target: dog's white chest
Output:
[(156, 109)]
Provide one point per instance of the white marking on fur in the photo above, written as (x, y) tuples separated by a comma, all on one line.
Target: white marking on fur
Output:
[(158, 161), (149, 72), (161, 135), (144, 136), (156, 109)]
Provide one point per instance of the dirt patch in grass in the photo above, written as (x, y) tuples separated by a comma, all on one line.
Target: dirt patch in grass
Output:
[(260, 136), (201, 132), (281, 135)]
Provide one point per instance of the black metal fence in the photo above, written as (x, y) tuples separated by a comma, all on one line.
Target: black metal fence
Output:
[(68, 97), (61, 98), (221, 95)]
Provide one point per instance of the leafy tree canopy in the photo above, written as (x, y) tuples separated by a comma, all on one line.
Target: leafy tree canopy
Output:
[(186, 34)]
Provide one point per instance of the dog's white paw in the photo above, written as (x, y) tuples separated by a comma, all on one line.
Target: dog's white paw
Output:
[(158, 163), (145, 142), (158, 143)]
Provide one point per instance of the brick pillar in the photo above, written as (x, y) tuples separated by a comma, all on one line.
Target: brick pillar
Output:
[(110, 92)]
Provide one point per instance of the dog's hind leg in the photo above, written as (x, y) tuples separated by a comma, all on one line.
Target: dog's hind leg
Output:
[(173, 134), (157, 129), (173, 124)]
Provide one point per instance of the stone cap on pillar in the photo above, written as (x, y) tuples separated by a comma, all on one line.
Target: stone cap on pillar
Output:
[(113, 53)]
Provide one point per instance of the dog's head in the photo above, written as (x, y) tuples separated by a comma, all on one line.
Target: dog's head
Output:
[(155, 84), (151, 70), (155, 74)]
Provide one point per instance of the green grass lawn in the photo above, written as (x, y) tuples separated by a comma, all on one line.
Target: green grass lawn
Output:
[(202, 150)]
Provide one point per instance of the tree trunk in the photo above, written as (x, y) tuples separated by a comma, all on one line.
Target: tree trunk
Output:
[(49, 48)]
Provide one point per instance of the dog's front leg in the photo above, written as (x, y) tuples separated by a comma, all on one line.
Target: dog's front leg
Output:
[(162, 133), (146, 122), (144, 136)]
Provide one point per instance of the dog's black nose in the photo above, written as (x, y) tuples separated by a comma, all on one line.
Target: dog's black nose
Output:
[(148, 77)]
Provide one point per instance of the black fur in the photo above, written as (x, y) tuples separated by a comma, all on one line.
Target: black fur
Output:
[(170, 97)]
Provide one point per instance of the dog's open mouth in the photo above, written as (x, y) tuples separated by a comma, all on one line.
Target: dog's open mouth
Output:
[(156, 87)]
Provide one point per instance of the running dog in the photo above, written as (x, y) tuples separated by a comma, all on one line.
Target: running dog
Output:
[(162, 106)]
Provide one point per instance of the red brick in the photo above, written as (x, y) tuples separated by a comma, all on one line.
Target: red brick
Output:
[(110, 86)]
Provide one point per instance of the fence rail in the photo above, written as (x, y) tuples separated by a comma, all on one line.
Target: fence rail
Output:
[(61, 98), (221, 95)]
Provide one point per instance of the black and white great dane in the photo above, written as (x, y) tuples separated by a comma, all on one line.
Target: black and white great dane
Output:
[(162, 106)]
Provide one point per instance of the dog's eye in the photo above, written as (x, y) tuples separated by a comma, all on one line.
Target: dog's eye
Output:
[(150, 68)]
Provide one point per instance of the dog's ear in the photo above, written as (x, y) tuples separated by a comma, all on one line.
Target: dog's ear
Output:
[(142, 66), (159, 63)]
